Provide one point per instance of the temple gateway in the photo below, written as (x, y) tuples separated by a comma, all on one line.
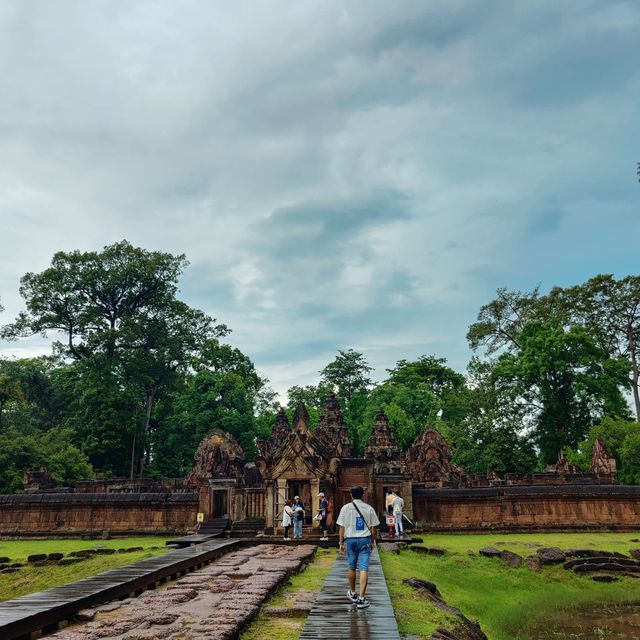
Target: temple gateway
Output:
[(298, 461)]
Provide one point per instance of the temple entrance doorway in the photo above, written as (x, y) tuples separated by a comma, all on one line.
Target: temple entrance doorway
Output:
[(219, 506), (302, 488)]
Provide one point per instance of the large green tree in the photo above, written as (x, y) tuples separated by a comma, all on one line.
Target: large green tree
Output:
[(565, 381)]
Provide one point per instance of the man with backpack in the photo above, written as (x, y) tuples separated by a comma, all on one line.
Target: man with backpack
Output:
[(358, 524)]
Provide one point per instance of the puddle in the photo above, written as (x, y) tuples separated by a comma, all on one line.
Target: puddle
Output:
[(613, 622)]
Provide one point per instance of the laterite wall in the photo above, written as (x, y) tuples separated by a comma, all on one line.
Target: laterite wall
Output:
[(78, 513), (529, 508)]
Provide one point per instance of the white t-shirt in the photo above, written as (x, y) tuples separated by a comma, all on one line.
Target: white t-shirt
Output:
[(286, 516), (398, 505), (349, 519)]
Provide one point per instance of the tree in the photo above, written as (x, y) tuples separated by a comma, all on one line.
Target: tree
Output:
[(564, 380), (501, 321), (609, 309), (10, 393), (491, 436), (128, 335)]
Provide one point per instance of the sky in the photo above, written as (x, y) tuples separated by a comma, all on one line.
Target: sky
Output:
[(339, 174)]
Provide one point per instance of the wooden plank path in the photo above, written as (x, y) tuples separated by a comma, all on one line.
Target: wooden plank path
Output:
[(44, 610), (333, 616)]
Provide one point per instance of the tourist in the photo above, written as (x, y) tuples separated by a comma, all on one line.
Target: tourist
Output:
[(398, 507), (358, 524), (389, 502), (323, 512), (287, 518), (298, 517)]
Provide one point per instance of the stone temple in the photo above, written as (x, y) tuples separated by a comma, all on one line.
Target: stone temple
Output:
[(298, 460)]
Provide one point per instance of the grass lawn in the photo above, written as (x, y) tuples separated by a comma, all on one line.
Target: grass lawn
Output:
[(30, 579), (507, 602), (309, 581)]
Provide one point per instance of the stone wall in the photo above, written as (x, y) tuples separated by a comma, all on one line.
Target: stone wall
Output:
[(78, 513), (529, 508)]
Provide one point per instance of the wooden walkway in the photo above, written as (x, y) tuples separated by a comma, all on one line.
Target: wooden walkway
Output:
[(333, 616), (45, 609)]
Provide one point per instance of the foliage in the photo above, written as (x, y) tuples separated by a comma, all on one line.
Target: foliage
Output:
[(565, 380), (52, 449), (491, 435)]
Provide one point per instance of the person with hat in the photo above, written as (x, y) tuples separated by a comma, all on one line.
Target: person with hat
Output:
[(298, 517), (358, 524), (323, 512)]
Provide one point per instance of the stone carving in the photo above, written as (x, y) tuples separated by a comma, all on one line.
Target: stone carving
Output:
[(218, 456), (383, 447), (603, 464), (429, 460), (332, 431)]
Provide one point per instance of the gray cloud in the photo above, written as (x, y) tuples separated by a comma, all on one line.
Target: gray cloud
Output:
[(339, 174)]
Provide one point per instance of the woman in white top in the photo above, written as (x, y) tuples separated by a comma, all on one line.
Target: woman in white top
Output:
[(398, 506), (287, 518)]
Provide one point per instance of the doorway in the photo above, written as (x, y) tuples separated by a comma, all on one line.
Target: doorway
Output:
[(301, 488), (219, 505)]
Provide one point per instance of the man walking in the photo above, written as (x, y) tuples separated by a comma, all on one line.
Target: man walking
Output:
[(358, 524)]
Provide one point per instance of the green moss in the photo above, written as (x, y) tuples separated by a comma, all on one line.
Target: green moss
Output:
[(507, 602), (30, 579)]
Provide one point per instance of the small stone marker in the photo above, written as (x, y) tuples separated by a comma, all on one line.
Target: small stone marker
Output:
[(604, 577), (490, 552), (4, 560), (54, 557), (635, 553)]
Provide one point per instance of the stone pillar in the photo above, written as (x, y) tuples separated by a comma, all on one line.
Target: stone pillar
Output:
[(315, 501), (407, 495), (269, 506), (281, 496)]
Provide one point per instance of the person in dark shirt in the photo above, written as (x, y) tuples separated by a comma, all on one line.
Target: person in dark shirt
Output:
[(323, 512)]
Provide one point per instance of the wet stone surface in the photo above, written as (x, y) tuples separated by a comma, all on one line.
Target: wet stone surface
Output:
[(214, 602)]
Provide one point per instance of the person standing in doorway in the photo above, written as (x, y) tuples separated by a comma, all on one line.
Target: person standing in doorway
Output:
[(323, 512), (398, 507), (389, 502), (358, 524), (287, 518), (298, 517)]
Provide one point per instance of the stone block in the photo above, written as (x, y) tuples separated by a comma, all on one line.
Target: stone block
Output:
[(512, 559), (490, 552), (54, 557), (604, 577), (635, 553), (533, 562), (37, 557), (84, 615), (551, 555), (9, 570), (430, 551), (105, 552), (4, 560)]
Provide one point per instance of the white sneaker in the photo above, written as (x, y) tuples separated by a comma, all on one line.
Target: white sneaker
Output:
[(325, 538)]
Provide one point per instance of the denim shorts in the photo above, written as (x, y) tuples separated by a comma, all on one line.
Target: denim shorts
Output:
[(358, 553)]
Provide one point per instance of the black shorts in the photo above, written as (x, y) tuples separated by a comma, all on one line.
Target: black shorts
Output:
[(323, 524)]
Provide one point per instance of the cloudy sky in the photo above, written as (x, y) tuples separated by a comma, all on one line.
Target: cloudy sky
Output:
[(340, 174)]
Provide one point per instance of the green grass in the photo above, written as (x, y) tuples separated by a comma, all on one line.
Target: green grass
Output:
[(266, 627), (30, 579), (507, 602)]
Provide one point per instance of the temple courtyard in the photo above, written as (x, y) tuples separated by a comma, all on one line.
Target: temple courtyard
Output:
[(523, 586)]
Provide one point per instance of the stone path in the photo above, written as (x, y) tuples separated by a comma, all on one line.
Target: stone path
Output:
[(45, 609), (333, 616), (213, 603)]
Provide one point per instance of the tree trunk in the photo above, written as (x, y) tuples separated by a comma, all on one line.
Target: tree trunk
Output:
[(635, 373), (133, 454), (151, 396)]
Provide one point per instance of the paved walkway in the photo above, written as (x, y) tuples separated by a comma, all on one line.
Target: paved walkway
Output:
[(43, 610), (333, 616)]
